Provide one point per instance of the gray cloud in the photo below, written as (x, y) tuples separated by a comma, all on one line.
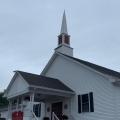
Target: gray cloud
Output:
[(29, 29)]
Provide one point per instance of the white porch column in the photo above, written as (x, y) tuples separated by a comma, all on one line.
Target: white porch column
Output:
[(32, 103), (32, 100), (10, 109), (22, 99)]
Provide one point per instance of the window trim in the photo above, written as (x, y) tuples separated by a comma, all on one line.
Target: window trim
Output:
[(38, 110), (90, 103)]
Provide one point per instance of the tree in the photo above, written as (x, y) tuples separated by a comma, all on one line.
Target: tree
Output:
[(3, 100)]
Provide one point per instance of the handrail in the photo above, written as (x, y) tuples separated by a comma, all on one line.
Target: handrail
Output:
[(54, 116), (34, 116)]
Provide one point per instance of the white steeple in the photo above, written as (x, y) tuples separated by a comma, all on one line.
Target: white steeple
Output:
[(64, 39), (64, 25)]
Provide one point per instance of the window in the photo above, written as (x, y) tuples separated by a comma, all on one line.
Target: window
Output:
[(67, 40), (37, 110), (85, 103), (14, 102), (27, 98), (20, 101), (60, 40)]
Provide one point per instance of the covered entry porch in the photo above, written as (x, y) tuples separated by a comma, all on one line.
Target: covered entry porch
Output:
[(37, 96), (38, 104), (54, 103)]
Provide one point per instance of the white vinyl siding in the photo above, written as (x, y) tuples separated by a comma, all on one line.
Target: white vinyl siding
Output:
[(83, 80)]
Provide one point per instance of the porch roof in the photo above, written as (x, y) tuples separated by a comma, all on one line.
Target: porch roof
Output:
[(43, 81)]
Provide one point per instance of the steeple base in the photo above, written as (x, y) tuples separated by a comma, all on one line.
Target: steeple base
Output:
[(64, 49)]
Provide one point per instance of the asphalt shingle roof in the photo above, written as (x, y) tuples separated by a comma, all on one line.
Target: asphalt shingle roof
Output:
[(43, 81), (96, 67)]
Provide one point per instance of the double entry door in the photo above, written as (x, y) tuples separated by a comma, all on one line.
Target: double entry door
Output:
[(57, 109)]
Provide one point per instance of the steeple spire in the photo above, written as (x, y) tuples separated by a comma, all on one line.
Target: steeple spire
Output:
[(64, 25), (64, 39)]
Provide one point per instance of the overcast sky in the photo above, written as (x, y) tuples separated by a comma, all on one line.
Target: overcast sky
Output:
[(29, 30)]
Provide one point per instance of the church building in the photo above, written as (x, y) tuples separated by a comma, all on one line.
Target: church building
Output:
[(67, 88)]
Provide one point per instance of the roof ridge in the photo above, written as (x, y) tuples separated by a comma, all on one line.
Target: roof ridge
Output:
[(37, 75), (44, 81), (98, 68), (26, 72), (96, 64)]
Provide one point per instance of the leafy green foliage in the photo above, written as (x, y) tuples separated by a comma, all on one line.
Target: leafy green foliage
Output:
[(3, 100)]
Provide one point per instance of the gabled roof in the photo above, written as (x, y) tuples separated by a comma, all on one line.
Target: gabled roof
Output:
[(96, 67), (43, 81)]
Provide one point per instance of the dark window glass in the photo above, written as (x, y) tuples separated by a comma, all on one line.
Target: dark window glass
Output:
[(14, 102), (85, 98), (60, 40), (85, 103), (85, 107), (67, 40), (20, 100), (27, 98), (37, 110)]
